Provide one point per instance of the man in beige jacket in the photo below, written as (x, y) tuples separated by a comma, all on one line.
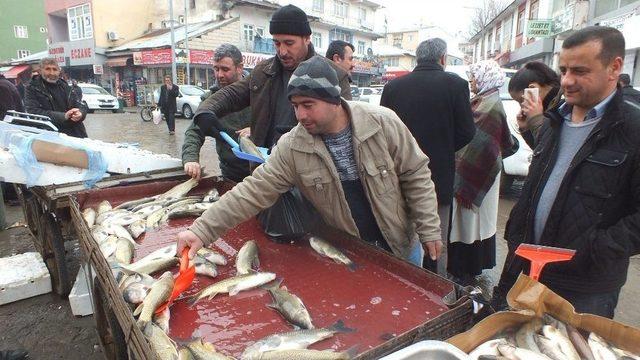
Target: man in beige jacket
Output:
[(358, 165)]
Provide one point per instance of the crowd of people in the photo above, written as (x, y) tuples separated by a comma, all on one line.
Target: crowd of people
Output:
[(419, 175)]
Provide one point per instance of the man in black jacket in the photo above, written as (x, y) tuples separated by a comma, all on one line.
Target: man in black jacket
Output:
[(583, 188), (9, 97), (628, 91), (169, 92), (49, 95), (434, 105)]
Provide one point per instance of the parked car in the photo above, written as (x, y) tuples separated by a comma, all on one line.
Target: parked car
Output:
[(188, 100), (371, 95), (96, 98), (355, 93), (516, 165)]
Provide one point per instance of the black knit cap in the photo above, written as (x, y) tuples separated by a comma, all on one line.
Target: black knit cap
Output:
[(315, 78), (289, 20)]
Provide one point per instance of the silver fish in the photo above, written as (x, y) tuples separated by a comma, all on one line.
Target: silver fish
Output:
[(104, 206), (182, 202), (158, 260), (158, 295), (212, 256), (148, 210), (135, 293), (125, 220), (247, 146), (137, 228), (233, 285), (211, 196), (525, 335), (624, 355), (124, 251), (119, 231), (162, 319), (180, 213), (153, 220), (205, 267), (108, 246), (487, 348), (561, 341), (298, 339), (205, 351), (185, 354), (89, 216), (99, 233), (247, 257), (323, 248), (290, 307), (161, 344), (102, 217), (579, 343), (600, 348), (133, 203), (549, 348), (179, 190), (516, 353)]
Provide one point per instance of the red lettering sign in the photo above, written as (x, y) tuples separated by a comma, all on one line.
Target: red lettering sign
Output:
[(204, 57), (154, 57), (84, 53)]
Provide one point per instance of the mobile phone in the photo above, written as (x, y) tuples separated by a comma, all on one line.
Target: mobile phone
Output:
[(532, 94)]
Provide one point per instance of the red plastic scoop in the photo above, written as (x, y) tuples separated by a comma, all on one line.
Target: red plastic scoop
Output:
[(182, 281), (541, 255)]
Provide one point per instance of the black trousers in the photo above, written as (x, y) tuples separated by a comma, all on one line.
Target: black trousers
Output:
[(603, 304), (171, 120)]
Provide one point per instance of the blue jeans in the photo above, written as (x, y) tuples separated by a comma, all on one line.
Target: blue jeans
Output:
[(603, 304), (417, 254)]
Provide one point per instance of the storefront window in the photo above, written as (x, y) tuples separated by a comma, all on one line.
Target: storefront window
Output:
[(80, 22)]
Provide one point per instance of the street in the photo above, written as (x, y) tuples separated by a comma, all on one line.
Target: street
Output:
[(45, 326)]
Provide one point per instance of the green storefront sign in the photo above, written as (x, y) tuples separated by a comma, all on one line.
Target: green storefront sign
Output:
[(540, 28)]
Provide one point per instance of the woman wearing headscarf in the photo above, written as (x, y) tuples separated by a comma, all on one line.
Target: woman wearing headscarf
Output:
[(472, 245)]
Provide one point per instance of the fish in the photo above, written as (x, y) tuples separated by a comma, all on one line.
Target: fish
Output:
[(525, 335), (600, 348), (182, 202), (298, 339), (487, 348), (549, 347), (99, 233), (561, 341), (161, 344), (148, 210), (185, 354), (205, 351), (125, 220), (323, 248), (179, 190), (550, 320), (247, 146), (181, 213), (89, 216), (158, 295), (307, 354), (205, 267), (290, 307), (119, 231), (109, 246), (212, 256), (162, 319), (104, 206), (153, 220), (211, 196), (157, 260), (137, 228), (623, 354), (247, 257), (135, 293), (233, 285), (124, 251), (104, 216), (517, 353), (579, 343), (128, 279), (128, 205)]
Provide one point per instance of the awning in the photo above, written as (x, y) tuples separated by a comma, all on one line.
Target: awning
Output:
[(117, 61), (14, 71), (390, 75)]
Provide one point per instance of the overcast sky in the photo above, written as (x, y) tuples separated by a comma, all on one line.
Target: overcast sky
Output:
[(452, 15)]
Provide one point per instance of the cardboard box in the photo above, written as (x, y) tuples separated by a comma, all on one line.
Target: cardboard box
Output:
[(532, 299)]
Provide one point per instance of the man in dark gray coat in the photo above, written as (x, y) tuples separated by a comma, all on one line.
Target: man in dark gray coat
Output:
[(435, 107)]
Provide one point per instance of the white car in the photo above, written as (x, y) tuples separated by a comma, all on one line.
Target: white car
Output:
[(97, 98), (371, 95), (188, 100), (516, 165)]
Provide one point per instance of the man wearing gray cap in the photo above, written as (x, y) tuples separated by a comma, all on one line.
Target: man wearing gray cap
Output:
[(356, 163)]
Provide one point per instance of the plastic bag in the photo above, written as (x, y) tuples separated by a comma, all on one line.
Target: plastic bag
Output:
[(156, 115), (289, 219)]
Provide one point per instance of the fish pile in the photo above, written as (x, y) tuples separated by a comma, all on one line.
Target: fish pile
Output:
[(548, 339)]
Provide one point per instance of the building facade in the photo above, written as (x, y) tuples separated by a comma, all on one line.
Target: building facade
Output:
[(409, 39), (22, 33)]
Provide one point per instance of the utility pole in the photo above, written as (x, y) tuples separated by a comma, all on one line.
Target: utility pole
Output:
[(186, 42), (173, 45)]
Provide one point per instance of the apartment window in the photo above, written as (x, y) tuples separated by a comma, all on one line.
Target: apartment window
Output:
[(318, 5), (498, 43), (248, 32), (361, 46), (340, 8), (20, 31), (317, 40), (533, 9), (43, 29), (606, 6), (362, 14), (392, 61), (520, 26), (260, 31), (397, 40), (507, 29), (337, 34), (192, 4), (489, 42), (23, 53), (80, 22)]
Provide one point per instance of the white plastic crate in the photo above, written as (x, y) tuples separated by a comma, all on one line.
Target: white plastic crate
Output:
[(428, 350), (23, 276)]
